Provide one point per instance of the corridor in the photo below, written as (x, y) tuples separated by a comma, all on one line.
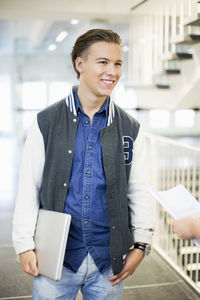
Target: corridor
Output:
[(159, 87), (153, 280)]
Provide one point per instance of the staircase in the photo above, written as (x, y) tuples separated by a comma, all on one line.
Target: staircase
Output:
[(183, 42), (169, 36)]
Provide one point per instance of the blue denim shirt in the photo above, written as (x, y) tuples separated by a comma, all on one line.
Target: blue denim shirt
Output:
[(86, 198)]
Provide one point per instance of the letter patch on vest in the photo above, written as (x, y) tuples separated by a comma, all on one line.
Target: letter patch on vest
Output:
[(128, 149)]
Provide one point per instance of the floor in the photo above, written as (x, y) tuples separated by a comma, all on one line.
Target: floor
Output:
[(153, 280)]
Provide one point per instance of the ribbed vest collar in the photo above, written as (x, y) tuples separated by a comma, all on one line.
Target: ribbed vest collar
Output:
[(70, 102)]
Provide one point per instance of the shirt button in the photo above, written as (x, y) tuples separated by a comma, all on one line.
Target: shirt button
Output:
[(65, 184), (90, 147), (74, 120), (114, 258), (86, 196), (86, 122), (85, 222), (113, 227), (70, 151), (87, 171)]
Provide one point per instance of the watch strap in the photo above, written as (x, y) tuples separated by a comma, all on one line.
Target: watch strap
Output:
[(146, 248)]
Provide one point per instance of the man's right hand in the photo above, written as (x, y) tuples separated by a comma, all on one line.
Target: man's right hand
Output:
[(28, 261)]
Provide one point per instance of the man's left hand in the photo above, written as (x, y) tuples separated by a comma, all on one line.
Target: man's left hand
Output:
[(133, 259)]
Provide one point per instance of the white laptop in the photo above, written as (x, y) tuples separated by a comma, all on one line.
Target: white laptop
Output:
[(50, 242)]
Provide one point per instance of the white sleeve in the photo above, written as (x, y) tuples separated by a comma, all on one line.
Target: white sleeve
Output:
[(140, 203), (27, 202)]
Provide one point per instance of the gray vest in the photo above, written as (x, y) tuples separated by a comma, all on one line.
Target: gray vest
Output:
[(59, 127)]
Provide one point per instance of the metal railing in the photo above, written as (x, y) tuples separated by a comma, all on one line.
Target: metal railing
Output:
[(173, 163)]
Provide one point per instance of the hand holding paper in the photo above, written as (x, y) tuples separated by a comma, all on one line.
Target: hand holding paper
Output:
[(178, 202), (187, 228)]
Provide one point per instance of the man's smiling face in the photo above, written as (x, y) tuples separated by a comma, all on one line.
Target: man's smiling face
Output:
[(100, 68)]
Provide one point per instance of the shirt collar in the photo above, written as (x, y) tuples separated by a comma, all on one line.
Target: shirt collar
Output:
[(103, 109)]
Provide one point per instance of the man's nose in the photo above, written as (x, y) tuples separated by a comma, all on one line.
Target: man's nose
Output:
[(111, 70)]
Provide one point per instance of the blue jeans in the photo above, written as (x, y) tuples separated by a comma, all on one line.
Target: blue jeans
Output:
[(93, 284)]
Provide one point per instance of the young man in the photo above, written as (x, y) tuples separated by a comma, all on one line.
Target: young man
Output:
[(85, 156)]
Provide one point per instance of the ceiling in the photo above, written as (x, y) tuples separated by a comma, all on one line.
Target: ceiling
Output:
[(28, 27), (35, 36), (31, 26)]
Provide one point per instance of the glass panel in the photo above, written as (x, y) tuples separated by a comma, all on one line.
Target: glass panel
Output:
[(184, 118), (5, 108), (7, 172), (159, 118), (27, 119), (58, 90), (34, 95)]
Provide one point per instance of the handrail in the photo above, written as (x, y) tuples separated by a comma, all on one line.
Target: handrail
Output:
[(172, 163), (171, 141)]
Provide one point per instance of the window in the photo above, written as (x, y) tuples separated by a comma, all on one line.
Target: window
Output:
[(34, 98), (27, 119), (5, 111), (125, 98), (7, 163), (58, 90), (34, 95), (184, 118), (159, 118)]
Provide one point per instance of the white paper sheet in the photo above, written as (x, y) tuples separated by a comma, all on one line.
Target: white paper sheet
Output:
[(178, 202)]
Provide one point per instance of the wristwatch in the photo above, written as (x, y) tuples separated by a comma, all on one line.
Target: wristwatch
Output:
[(146, 248)]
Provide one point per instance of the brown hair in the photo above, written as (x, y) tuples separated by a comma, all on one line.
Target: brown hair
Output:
[(92, 36)]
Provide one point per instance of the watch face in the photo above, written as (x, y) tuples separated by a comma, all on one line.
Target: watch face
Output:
[(147, 250)]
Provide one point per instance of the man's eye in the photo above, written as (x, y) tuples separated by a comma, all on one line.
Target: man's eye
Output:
[(103, 62), (118, 64)]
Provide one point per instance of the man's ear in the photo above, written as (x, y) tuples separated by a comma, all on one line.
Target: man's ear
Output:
[(79, 64)]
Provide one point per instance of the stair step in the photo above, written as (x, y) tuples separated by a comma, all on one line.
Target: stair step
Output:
[(189, 39), (195, 22), (195, 37), (173, 71), (184, 55), (163, 86), (180, 56), (193, 267)]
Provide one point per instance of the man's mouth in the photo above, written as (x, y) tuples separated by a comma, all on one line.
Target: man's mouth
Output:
[(108, 82)]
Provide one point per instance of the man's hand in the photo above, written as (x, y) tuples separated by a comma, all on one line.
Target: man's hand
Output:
[(133, 259), (28, 261)]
